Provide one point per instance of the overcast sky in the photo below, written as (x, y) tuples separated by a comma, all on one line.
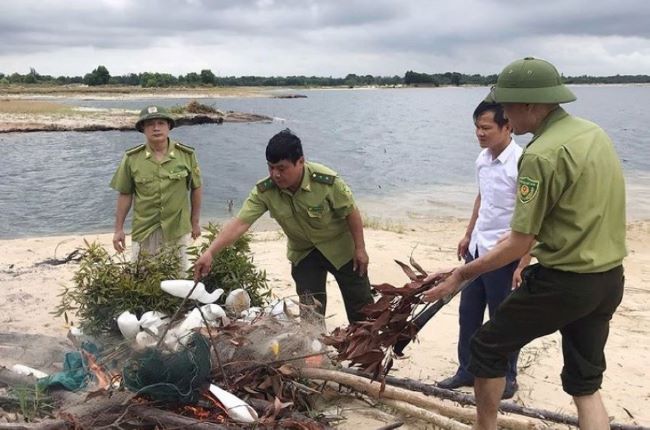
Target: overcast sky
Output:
[(322, 37)]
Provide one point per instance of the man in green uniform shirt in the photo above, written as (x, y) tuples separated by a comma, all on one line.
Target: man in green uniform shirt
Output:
[(316, 211), (571, 201), (156, 178)]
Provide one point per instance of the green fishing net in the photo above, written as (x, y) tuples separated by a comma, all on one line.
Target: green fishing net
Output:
[(170, 377)]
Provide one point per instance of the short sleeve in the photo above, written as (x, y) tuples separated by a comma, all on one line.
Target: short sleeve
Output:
[(341, 198), (536, 194), (122, 179), (197, 180), (253, 208)]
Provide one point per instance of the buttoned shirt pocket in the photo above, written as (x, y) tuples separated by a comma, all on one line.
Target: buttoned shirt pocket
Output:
[(180, 175), (145, 185), (318, 213)]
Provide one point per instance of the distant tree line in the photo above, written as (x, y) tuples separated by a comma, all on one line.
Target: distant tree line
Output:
[(101, 76)]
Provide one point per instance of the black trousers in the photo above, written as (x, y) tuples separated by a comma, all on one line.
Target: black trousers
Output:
[(310, 275), (579, 305)]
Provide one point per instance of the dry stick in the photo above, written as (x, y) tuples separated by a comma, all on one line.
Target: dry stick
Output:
[(392, 426), (166, 419), (41, 425), (214, 347), (467, 399), (173, 318), (373, 389), (438, 420)]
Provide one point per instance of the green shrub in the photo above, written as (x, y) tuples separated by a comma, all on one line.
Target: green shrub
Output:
[(233, 268), (105, 286)]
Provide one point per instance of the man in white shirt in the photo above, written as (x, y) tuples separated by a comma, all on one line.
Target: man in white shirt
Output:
[(496, 173)]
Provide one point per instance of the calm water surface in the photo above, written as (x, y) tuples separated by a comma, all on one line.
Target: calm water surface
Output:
[(406, 153)]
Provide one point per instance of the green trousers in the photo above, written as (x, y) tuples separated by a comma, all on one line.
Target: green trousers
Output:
[(310, 275)]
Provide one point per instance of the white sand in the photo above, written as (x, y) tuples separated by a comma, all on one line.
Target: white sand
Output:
[(28, 294)]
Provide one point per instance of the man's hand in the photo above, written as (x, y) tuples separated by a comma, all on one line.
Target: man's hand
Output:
[(196, 230), (463, 248), (516, 278), (435, 277), (443, 289), (119, 241), (360, 261), (202, 265)]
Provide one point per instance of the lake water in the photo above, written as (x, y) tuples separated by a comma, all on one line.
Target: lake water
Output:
[(406, 154)]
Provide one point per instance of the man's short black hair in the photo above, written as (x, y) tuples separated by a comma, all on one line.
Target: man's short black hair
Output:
[(284, 146), (496, 108)]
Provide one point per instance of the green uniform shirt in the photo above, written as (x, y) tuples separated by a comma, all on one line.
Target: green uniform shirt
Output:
[(312, 217), (160, 189), (571, 196)]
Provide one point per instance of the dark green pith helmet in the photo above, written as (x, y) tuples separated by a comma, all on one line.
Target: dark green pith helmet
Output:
[(531, 80), (154, 112)]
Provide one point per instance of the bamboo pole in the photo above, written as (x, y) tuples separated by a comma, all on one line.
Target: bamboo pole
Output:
[(468, 399), (438, 420), (373, 389)]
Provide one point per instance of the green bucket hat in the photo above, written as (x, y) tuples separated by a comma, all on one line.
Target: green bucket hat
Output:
[(154, 112), (530, 80)]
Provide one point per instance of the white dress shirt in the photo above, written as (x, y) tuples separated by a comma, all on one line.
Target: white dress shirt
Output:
[(497, 182)]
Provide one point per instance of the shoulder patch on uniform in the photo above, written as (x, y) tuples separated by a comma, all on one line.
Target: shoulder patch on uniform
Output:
[(135, 149), (185, 148), (528, 188), (265, 185), (323, 178)]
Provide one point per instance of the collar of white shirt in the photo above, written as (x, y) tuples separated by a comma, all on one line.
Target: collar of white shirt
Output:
[(503, 157)]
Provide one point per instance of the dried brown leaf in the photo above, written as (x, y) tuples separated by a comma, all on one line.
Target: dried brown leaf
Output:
[(409, 272), (387, 289), (380, 305), (381, 321), (417, 266)]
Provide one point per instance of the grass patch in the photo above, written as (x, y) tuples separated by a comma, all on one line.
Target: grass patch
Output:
[(33, 402), (31, 107), (377, 223)]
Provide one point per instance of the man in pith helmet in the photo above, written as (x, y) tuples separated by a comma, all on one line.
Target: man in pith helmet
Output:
[(161, 179), (571, 205)]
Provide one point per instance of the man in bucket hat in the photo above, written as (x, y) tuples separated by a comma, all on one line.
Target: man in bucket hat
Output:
[(571, 205), (162, 179)]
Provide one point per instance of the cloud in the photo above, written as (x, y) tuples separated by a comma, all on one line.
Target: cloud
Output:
[(335, 37)]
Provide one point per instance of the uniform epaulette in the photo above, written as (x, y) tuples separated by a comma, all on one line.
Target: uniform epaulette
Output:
[(323, 178), (135, 149), (265, 185), (185, 148)]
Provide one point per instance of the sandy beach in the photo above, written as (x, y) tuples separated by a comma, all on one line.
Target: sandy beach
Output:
[(28, 294)]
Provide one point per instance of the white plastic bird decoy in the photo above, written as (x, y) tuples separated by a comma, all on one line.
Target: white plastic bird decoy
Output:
[(236, 408), (181, 287), (128, 324)]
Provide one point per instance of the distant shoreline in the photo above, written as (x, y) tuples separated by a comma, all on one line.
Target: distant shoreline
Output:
[(136, 93)]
